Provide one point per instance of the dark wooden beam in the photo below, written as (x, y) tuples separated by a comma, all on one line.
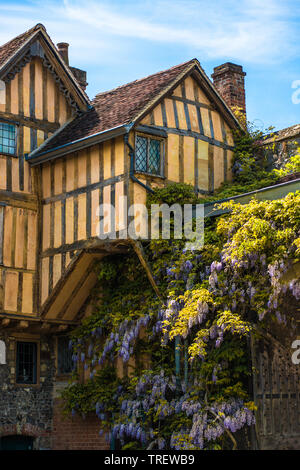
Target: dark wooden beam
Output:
[(24, 201), (83, 190), (93, 245), (138, 248), (31, 122)]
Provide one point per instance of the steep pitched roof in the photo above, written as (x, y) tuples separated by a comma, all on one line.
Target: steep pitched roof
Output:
[(10, 51), (116, 107), (124, 105)]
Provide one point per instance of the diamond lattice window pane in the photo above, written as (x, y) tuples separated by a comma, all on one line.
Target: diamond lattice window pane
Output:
[(154, 157), (7, 138), (141, 154)]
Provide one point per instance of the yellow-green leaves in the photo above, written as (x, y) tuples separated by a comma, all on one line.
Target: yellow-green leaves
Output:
[(233, 322), (292, 166), (196, 305)]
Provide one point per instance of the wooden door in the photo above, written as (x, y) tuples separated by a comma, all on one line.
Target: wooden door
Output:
[(277, 395)]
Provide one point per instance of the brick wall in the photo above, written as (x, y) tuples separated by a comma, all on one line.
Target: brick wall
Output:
[(229, 79), (76, 433), (42, 437)]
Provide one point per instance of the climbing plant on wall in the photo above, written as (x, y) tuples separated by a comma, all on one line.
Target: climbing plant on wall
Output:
[(174, 374)]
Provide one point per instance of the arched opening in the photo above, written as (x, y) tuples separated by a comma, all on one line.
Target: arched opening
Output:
[(16, 443)]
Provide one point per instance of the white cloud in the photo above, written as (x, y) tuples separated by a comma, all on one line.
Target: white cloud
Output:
[(245, 31)]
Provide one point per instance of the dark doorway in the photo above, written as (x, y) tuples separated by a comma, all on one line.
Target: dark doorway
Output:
[(16, 443)]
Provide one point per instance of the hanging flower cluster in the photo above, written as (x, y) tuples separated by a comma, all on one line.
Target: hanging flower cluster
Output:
[(156, 395)]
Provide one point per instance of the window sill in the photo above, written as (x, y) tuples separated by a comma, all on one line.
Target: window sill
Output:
[(63, 377), (144, 173), (37, 385), (4, 154)]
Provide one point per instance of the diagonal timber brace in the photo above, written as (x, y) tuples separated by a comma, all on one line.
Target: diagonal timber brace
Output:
[(138, 248)]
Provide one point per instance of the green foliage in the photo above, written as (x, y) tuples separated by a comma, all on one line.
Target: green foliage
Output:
[(175, 193), (292, 166), (248, 165), (82, 397)]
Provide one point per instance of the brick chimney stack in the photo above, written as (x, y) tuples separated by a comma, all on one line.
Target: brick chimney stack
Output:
[(229, 80), (80, 75), (63, 49)]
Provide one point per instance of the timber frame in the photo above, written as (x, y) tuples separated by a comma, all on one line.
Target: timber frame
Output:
[(40, 45)]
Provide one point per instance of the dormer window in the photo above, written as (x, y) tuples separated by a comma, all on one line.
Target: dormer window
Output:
[(148, 155), (8, 139)]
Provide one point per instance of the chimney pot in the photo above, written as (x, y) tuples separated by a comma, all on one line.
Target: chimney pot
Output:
[(80, 75), (63, 49)]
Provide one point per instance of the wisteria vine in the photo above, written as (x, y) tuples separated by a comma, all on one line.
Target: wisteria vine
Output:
[(214, 300)]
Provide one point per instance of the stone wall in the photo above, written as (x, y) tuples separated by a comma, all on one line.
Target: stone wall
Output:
[(279, 147), (282, 152), (34, 410), (27, 409)]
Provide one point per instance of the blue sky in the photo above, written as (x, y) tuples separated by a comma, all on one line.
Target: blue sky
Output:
[(118, 41)]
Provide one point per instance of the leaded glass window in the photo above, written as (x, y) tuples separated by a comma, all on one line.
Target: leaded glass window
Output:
[(7, 138), (26, 363), (148, 155), (65, 362)]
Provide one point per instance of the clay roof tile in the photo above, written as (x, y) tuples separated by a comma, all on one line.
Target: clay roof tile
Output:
[(11, 47), (116, 107)]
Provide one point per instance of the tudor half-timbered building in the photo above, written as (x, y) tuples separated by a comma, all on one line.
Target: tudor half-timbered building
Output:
[(61, 156)]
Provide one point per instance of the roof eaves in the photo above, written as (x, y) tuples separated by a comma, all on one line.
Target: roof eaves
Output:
[(283, 134), (66, 68), (46, 142), (35, 158), (17, 51), (215, 92)]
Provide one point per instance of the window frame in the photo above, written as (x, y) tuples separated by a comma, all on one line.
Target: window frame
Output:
[(37, 365), (16, 128), (161, 140), (58, 373)]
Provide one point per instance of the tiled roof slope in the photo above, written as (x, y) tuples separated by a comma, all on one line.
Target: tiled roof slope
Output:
[(9, 48), (117, 107), (284, 134), (291, 177)]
